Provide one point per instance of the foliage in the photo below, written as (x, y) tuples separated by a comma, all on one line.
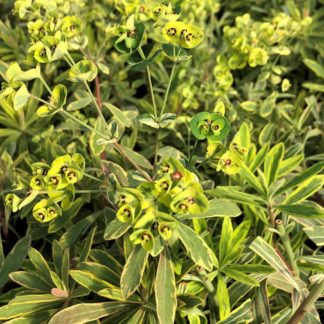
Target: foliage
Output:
[(160, 162)]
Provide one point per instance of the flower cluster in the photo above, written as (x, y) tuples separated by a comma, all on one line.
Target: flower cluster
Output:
[(251, 43), (149, 207), (213, 126), (56, 181)]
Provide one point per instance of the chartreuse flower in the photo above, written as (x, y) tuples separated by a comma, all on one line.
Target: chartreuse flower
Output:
[(12, 201), (71, 26), (143, 237), (182, 34), (44, 211), (40, 168), (192, 201), (241, 141), (37, 183), (128, 196), (166, 230), (258, 56), (212, 126), (128, 38), (126, 213), (36, 28), (84, 70), (230, 163), (57, 101)]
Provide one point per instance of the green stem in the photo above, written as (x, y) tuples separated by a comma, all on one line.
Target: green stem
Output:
[(191, 153), (64, 112), (169, 87), (45, 84), (119, 148), (156, 149), (315, 293), (95, 102), (286, 242), (208, 285), (91, 177), (150, 84)]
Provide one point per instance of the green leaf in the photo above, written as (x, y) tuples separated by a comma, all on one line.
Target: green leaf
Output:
[(304, 190), (262, 306), (84, 313), (232, 193), (83, 71), (133, 271), (251, 179), (306, 209), (80, 103), (21, 98), (242, 314), (100, 271), (89, 280), (317, 68), (118, 114), (259, 158), (249, 105), (316, 234), (97, 148), (290, 164), (74, 231), (87, 245), (241, 277), (165, 289), (59, 94), (217, 208), (317, 259), (225, 241), (267, 253), (313, 86), (116, 229), (224, 306), (40, 264), (28, 304), (28, 75), (272, 163), (311, 171), (196, 247), (14, 259), (148, 120), (30, 280), (139, 159)]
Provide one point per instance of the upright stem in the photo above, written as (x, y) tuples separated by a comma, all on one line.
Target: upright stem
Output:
[(95, 102), (169, 87), (309, 301), (286, 242), (150, 84), (209, 287), (271, 215)]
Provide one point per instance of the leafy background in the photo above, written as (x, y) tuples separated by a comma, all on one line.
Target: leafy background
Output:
[(255, 254)]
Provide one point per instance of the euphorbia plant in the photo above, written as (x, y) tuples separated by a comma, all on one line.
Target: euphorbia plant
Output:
[(160, 162)]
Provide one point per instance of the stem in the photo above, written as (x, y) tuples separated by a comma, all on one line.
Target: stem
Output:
[(191, 151), (156, 149), (64, 112), (169, 87), (308, 302), (45, 84), (271, 215), (150, 84), (95, 102), (98, 92), (286, 242), (208, 285), (119, 148)]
